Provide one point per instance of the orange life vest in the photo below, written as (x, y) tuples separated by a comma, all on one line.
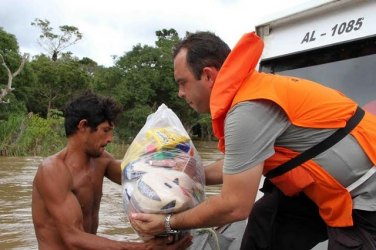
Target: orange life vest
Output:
[(306, 104)]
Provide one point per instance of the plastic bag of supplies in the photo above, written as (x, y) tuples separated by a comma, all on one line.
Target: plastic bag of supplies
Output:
[(162, 171)]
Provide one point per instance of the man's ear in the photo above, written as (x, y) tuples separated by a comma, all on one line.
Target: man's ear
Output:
[(82, 125), (210, 74)]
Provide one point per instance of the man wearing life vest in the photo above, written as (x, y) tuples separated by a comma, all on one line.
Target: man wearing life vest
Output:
[(275, 126)]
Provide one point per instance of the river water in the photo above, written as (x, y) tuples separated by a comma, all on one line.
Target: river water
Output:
[(16, 177)]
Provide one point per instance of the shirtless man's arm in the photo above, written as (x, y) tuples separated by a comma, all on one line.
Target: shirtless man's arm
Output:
[(64, 226), (113, 171)]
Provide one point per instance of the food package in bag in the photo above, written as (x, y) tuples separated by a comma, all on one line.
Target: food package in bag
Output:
[(162, 171)]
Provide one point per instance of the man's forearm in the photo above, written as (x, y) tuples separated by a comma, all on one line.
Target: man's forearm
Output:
[(90, 241), (213, 173), (215, 211), (234, 203)]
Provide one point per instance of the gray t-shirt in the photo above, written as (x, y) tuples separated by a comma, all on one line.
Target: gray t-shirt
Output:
[(253, 128)]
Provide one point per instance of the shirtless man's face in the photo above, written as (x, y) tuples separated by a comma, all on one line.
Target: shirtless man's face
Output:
[(97, 140)]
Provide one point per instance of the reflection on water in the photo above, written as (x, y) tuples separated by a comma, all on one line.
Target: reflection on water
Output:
[(16, 227)]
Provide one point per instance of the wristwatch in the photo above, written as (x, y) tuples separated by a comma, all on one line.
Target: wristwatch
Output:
[(167, 225)]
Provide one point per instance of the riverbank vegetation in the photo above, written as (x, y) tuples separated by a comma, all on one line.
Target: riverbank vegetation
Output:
[(31, 118)]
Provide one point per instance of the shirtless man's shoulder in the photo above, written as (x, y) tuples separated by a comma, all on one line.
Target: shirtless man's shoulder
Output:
[(52, 180)]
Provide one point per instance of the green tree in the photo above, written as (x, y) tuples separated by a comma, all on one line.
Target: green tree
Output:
[(89, 65), (165, 86), (56, 82), (54, 43), (130, 83), (142, 79), (5, 90), (11, 65)]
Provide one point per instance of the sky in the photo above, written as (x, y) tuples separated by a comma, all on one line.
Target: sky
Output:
[(112, 27)]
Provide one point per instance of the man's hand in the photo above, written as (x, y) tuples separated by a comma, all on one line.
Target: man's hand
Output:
[(165, 243), (148, 224)]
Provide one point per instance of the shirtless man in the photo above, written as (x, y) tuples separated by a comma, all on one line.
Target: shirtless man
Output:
[(67, 187)]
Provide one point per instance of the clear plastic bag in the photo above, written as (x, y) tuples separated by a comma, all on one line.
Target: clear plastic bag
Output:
[(162, 171)]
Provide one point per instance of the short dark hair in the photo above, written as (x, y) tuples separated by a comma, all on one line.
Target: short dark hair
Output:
[(204, 49), (92, 107)]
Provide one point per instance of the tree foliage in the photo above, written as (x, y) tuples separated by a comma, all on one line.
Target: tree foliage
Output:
[(54, 43), (56, 82), (11, 65), (9, 51), (141, 80), (5, 90), (145, 81), (31, 135)]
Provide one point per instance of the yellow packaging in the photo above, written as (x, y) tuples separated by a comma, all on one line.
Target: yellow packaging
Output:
[(165, 137)]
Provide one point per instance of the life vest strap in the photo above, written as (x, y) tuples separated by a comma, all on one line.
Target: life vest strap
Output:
[(318, 148), (362, 179)]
